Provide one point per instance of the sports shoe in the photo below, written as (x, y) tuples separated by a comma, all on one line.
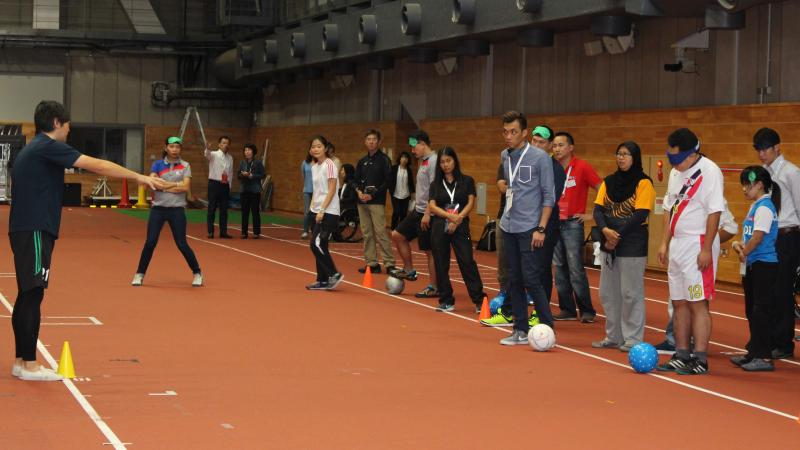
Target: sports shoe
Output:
[(334, 280), (741, 359), (15, 370), (500, 297), (225, 236), (665, 348), (625, 348), (318, 286), (605, 343), (782, 354), (137, 279), (673, 364), (411, 275), (428, 292), (304, 235), (563, 315), (533, 320), (758, 365), (587, 318), (197, 280), (478, 307), (694, 367), (498, 320), (41, 374), (530, 299), (445, 307), (373, 269), (391, 269), (518, 337)]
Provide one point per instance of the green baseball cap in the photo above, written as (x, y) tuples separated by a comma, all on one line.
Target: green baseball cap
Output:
[(174, 140)]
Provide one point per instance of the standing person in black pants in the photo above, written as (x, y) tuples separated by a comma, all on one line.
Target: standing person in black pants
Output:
[(767, 144), (452, 198), (324, 214), (35, 219), (169, 207), (401, 188), (220, 177), (251, 171)]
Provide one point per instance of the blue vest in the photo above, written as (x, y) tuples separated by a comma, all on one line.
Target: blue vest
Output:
[(765, 251)]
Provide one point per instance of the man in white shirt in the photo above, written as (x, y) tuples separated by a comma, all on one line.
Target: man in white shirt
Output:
[(691, 246), (220, 177), (767, 143)]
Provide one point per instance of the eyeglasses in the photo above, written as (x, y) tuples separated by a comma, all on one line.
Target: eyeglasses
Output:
[(623, 155)]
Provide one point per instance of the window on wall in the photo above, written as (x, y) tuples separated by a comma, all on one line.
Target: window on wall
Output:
[(119, 145)]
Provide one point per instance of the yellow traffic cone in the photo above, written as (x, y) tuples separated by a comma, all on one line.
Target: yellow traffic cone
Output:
[(65, 367), (141, 203)]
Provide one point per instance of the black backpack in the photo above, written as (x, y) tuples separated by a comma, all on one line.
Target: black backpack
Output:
[(487, 241)]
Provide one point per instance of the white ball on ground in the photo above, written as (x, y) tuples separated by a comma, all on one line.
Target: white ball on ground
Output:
[(541, 337), (394, 285)]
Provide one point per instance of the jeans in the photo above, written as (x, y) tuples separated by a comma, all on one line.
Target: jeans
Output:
[(525, 264), (176, 217), (218, 195), (306, 206), (571, 282)]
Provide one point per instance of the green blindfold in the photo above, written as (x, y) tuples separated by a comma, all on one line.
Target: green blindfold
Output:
[(541, 131), (175, 140), (413, 142)]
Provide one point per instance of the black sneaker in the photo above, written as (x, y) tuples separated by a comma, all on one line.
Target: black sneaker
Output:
[(665, 348), (445, 307), (741, 359), (782, 354), (428, 292), (334, 280), (563, 315), (694, 367), (318, 286), (674, 364), (374, 269), (391, 269), (587, 318)]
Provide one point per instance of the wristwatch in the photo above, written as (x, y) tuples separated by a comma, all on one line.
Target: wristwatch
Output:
[(538, 230)]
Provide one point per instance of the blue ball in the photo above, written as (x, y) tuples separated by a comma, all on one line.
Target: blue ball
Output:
[(643, 357), (495, 305)]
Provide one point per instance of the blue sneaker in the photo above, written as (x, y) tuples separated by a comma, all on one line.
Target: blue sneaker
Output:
[(497, 302)]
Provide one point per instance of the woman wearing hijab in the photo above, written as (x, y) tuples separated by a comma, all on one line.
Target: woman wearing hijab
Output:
[(623, 203)]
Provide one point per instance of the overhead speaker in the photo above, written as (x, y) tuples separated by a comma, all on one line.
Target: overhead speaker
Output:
[(464, 11), (611, 25), (411, 20), (270, 51), (330, 37), (380, 62), (245, 52), (529, 6), (423, 55), (536, 37), (367, 29), (473, 47), (297, 46)]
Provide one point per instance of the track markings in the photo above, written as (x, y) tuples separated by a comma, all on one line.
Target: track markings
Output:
[(470, 319)]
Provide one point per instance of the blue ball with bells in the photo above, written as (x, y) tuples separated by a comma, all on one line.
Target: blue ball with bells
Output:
[(643, 357)]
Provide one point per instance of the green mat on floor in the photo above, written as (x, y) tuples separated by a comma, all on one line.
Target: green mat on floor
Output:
[(199, 216)]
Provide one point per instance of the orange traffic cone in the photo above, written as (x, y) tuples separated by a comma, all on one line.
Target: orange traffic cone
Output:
[(367, 282), (124, 202), (485, 313)]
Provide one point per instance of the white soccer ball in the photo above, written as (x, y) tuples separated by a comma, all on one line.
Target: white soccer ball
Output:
[(541, 338)]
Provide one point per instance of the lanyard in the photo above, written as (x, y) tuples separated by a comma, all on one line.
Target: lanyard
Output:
[(513, 172), (566, 181), (451, 194)]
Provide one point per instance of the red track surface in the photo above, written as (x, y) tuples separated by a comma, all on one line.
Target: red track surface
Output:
[(258, 362)]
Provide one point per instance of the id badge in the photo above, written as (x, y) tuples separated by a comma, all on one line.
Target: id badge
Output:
[(509, 200), (451, 209)]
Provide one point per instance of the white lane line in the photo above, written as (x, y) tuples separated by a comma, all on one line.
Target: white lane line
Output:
[(470, 319), (76, 393)]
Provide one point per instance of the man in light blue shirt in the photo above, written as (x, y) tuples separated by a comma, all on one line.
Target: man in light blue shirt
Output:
[(529, 202)]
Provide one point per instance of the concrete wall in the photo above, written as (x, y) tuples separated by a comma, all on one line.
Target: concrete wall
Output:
[(562, 79)]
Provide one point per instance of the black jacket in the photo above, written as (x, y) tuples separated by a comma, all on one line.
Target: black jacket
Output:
[(373, 175), (251, 184), (393, 182)]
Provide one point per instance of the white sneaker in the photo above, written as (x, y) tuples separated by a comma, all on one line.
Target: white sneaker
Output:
[(198, 280), (15, 370), (137, 279), (42, 374), (304, 235)]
